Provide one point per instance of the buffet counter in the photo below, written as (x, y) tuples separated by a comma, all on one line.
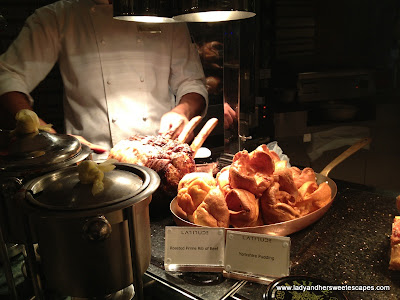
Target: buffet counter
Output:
[(349, 246)]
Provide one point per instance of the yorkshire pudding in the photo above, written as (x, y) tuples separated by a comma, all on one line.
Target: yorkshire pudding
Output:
[(314, 196), (252, 171), (275, 207), (213, 211), (244, 208), (223, 180), (192, 190), (302, 176)]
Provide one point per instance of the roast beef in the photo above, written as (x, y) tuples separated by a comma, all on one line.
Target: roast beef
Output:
[(171, 159)]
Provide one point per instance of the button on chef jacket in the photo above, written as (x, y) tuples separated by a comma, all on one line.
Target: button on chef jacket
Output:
[(119, 78)]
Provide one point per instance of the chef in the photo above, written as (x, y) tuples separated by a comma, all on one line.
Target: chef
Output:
[(119, 77)]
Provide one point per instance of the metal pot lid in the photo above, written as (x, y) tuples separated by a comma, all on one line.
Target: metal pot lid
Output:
[(36, 151), (62, 191)]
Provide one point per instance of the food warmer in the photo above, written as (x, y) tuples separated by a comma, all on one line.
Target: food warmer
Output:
[(21, 159), (90, 245)]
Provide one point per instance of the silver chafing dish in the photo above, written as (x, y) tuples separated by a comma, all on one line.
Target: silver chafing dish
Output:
[(21, 159), (91, 246), (26, 157)]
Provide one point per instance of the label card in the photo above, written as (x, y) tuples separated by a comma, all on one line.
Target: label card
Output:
[(194, 248), (257, 255)]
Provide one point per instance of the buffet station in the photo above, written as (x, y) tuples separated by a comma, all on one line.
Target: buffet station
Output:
[(150, 221), (167, 216)]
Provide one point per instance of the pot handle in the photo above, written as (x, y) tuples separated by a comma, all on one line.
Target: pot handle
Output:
[(97, 229), (350, 151)]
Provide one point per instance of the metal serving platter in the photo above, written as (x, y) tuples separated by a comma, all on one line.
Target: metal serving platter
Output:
[(292, 226), (278, 229)]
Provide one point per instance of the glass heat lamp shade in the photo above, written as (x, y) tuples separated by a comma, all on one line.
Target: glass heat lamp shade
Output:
[(215, 10), (149, 11)]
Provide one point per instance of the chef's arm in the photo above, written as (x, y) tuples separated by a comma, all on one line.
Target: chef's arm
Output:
[(10, 104), (190, 105)]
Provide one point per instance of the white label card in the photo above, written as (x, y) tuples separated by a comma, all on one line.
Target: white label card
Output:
[(257, 254), (193, 246)]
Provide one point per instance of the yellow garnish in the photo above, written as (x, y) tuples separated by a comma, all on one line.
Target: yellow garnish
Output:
[(46, 127), (92, 173), (28, 123)]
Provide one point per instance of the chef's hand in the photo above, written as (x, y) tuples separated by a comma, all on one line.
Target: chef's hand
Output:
[(96, 148), (230, 116), (171, 124)]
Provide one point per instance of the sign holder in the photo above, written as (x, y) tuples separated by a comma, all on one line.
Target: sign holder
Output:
[(194, 249), (240, 255)]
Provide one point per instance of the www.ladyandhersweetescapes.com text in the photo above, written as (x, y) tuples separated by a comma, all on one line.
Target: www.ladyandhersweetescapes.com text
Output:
[(363, 288)]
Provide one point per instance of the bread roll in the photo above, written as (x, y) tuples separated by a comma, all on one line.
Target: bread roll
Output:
[(244, 208), (302, 176), (314, 196), (281, 165), (223, 180), (306, 205), (192, 190), (286, 183), (190, 177), (252, 171), (273, 154), (213, 211), (274, 206)]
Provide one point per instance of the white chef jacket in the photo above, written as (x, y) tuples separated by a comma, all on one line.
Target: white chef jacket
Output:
[(118, 77)]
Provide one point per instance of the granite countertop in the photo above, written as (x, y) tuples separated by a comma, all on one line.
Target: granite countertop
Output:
[(349, 245)]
